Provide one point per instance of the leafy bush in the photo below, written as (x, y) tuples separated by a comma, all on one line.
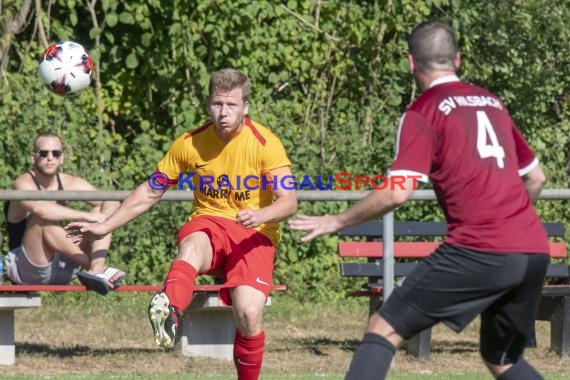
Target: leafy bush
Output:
[(330, 78)]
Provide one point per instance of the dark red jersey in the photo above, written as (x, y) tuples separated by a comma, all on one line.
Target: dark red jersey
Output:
[(462, 137)]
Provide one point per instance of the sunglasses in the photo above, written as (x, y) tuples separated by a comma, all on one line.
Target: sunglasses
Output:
[(55, 153)]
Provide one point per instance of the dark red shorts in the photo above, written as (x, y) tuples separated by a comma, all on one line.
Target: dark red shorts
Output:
[(242, 256)]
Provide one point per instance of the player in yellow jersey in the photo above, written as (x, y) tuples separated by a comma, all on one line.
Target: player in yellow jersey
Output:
[(236, 168)]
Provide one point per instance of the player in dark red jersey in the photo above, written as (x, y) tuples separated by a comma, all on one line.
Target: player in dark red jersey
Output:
[(494, 258)]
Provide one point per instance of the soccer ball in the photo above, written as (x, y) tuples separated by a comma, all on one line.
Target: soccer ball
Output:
[(65, 68)]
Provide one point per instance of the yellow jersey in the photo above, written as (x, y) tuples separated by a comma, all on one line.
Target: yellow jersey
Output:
[(227, 177)]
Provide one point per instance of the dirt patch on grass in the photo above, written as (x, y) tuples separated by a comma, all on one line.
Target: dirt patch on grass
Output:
[(112, 336)]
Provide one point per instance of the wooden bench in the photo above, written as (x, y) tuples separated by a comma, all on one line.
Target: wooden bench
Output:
[(207, 326), (555, 301)]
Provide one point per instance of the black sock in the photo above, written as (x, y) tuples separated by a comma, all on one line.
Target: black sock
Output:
[(521, 370), (372, 358)]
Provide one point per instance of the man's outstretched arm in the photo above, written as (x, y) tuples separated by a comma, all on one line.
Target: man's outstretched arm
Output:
[(374, 205), (137, 202)]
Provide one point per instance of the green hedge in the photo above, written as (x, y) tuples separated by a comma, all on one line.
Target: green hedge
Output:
[(330, 78)]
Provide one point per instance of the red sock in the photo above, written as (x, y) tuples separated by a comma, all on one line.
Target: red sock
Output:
[(248, 354), (179, 284)]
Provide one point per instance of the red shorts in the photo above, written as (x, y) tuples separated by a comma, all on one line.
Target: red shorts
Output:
[(241, 256)]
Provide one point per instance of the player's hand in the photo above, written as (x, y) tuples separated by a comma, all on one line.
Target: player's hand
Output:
[(79, 231), (94, 216), (315, 225), (250, 218)]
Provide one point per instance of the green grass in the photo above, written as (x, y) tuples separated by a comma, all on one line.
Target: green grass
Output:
[(269, 376), (306, 341)]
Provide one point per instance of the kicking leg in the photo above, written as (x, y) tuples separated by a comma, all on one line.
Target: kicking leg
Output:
[(194, 256), (166, 307)]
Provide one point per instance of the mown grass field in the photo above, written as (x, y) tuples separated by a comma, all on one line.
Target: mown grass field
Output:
[(86, 336), (463, 376)]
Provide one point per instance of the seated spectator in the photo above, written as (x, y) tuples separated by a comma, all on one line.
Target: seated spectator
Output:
[(40, 252)]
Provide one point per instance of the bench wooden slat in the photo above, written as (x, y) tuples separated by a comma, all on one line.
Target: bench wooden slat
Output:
[(376, 249), (547, 290), (405, 249), (373, 229), (374, 269), (556, 271), (73, 288), (122, 288)]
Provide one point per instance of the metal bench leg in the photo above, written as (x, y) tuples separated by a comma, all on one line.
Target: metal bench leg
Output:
[(420, 345), (7, 345), (531, 341), (374, 303), (560, 328)]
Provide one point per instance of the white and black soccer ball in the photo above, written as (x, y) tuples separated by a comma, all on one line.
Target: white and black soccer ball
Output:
[(65, 68)]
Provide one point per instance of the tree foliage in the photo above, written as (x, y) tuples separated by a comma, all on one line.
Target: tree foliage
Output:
[(329, 77)]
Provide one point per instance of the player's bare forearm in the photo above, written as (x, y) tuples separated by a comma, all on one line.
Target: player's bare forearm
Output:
[(285, 198), (534, 191), (375, 204), (107, 208), (282, 208), (534, 182), (137, 202)]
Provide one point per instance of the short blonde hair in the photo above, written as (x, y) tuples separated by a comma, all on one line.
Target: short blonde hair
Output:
[(229, 79)]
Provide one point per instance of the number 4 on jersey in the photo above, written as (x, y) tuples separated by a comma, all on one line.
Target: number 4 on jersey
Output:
[(484, 130)]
